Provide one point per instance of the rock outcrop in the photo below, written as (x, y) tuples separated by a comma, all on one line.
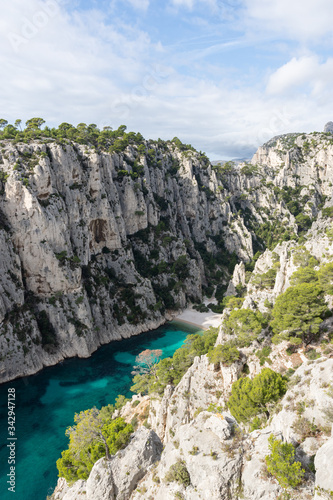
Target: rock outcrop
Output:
[(98, 246), (323, 464), (283, 195), (115, 479), (328, 127)]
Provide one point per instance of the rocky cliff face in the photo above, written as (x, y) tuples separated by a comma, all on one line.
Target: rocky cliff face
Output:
[(96, 246), (222, 460), (283, 198)]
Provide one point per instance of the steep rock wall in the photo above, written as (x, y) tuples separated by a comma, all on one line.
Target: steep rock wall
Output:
[(98, 246)]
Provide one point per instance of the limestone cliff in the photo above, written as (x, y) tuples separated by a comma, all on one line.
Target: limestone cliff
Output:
[(98, 246), (283, 198)]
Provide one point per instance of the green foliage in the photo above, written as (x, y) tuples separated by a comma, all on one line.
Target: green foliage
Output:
[(120, 401), (226, 353), (298, 313), (263, 354), (303, 222), (171, 370), (312, 354), (62, 257), (94, 435), (282, 465), (245, 324), (249, 170), (304, 275), (327, 212), (3, 176), (181, 267), (232, 302), (250, 397), (225, 169), (114, 140), (265, 280), (178, 473), (329, 233), (303, 258), (325, 275)]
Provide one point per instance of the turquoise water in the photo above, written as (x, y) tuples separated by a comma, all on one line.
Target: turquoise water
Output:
[(47, 401)]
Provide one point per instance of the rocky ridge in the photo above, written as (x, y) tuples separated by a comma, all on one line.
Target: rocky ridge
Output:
[(224, 460), (96, 246)]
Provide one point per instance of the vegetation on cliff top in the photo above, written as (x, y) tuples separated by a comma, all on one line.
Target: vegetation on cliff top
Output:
[(250, 397), (115, 141), (95, 435), (171, 370)]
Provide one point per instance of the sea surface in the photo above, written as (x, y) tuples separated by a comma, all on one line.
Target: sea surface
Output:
[(46, 403)]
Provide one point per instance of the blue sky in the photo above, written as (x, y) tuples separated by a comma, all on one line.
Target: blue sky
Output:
[(224, 76)]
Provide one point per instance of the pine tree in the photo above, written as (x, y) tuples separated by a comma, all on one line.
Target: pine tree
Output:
[(250, 397), (282, 465), (298, 313)]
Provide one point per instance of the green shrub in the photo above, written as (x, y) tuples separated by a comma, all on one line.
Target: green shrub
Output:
[(329, 233), (62, 256), (327, 212), (304, 275), (282, 465), (265, 280), (94, 435), (325, 275), (303, 222), (226, 354), (178, 473), (298, 313), (232, 302), (263, 354), (250, 397), (303, 258), (304, 428), (246, 324), (312, 354)]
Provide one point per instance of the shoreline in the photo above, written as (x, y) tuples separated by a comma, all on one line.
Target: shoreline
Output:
[(177, 320), (189, 316), (203, 320)]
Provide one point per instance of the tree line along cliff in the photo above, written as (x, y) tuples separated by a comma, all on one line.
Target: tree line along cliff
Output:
[(105, 234)]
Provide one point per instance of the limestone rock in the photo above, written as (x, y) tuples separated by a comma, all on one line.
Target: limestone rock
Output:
[(254, 485), (323, 464), (214, 472), (328, 127), (71, 239), (115, 479), (310, 391)]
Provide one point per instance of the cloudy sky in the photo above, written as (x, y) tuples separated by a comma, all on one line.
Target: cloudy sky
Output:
[(224, 76)]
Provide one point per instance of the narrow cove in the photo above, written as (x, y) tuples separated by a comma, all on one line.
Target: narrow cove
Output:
[(46, 403)]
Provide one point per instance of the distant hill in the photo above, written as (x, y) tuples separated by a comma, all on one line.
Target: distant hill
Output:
[(237, 161)]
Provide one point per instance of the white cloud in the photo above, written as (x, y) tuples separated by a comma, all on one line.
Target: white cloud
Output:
[(298, 19), (139, 4), (80, 68), (189, 4), (183, 3), (68, 65), (306, 71)]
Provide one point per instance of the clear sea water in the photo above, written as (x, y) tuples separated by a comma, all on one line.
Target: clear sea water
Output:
[(46, 403)]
